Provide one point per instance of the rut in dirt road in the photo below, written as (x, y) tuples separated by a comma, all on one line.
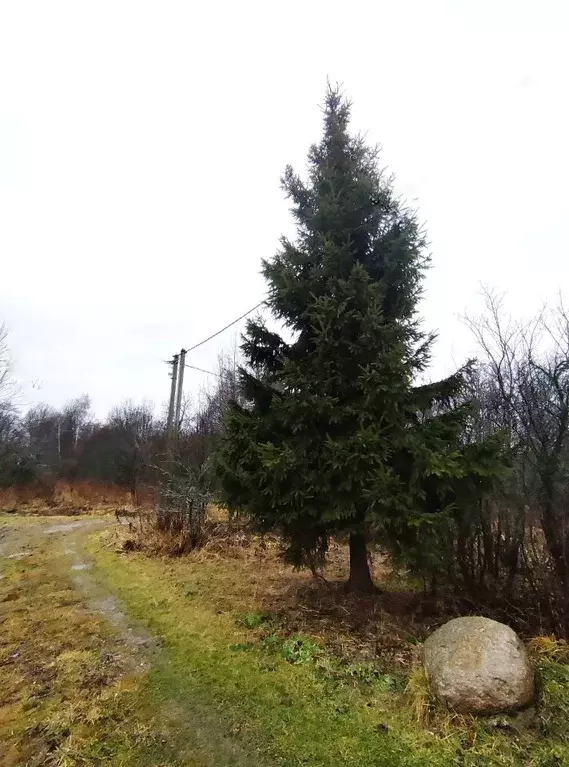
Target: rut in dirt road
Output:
[(65, 538)]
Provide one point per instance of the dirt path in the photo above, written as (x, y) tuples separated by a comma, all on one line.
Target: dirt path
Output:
[(75, 669), (72, 663), (137, 642), (19, 541)]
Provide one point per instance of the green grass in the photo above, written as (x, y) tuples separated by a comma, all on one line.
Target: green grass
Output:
[(285, 699)]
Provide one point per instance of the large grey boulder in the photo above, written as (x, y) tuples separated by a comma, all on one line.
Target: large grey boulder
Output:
[(477, 665)]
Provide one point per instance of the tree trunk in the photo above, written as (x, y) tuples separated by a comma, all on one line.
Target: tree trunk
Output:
[(360, 576), (553, 534)]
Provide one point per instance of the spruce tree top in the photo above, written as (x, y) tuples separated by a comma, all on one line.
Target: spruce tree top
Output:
[(347, 216)]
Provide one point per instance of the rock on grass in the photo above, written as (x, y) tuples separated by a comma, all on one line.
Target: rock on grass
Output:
[(477, 665)]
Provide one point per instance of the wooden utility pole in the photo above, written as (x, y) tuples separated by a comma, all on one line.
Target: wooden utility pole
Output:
[(181, 369), (163, 498), (171, 407)]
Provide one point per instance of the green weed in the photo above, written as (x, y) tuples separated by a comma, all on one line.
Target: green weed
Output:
[(369, 673), (299, 649), (252, 620)]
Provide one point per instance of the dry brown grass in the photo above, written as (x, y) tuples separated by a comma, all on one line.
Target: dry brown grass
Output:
[(46, 497), (548, 648)]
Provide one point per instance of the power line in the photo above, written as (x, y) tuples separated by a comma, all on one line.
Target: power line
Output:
[(374, 201), (177, 370), (201, 370), (195, 346)]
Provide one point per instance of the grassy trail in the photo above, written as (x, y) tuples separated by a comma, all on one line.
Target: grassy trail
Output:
[(74, 670)]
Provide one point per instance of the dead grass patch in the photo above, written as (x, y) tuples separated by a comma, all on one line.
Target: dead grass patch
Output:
[(47, 498)]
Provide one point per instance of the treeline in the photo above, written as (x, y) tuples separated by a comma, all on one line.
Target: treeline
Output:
[(128, 448), (512, 548), (48, 443)]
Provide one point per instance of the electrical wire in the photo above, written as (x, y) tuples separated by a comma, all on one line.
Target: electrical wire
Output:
[(201, 370), (201, 343), (374, 202)]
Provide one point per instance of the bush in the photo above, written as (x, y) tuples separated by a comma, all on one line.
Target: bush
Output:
[(181, 513)]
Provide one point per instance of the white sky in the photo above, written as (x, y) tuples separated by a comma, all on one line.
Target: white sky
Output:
[(141, 145)]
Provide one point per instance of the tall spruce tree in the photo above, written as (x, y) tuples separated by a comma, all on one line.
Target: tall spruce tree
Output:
[(334, 437)]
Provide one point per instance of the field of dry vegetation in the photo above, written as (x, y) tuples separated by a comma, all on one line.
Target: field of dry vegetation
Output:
[(64, 497)]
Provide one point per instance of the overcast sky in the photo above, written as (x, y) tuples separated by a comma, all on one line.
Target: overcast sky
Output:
[(141, 145)]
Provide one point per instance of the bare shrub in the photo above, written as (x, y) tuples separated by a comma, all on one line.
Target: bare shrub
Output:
[(181, 514), (512, 552)]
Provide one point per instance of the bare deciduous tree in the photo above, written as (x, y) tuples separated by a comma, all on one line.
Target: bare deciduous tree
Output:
[(11, 437), (42, 426), (524, 389), (133, 427), (7, 385)]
